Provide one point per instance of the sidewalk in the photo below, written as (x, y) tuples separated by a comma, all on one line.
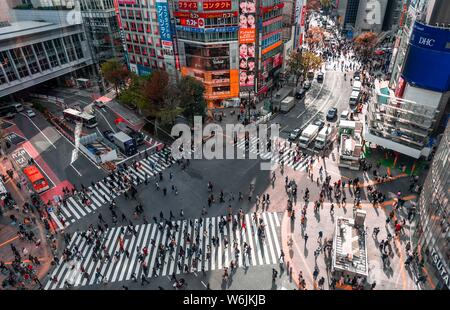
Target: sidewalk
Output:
[(301, 256)]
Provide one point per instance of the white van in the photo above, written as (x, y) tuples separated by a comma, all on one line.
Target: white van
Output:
[(18, 106), (354, 98), (357, 86)]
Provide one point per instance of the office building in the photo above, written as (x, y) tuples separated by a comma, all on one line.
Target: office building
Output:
[(147, 35), (33, 52), (432, 235), (406, 114)]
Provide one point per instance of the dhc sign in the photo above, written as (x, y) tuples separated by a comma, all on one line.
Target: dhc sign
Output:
[(428, 58)]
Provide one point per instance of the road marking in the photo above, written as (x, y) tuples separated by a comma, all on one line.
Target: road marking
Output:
[(203, 284), (98, 110), (71, 165), (323, 105), (39, 130), (317, 96)]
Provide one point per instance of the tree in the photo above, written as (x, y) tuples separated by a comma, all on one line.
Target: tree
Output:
[(313, 5), (365, 44), (326, 5), (155, 90), (314, 36), (299, 64), (191, 97), (133, 95), (295, 65), (114, 72)]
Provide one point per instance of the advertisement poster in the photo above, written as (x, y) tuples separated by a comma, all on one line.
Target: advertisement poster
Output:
[(247, 40), (162, 10)]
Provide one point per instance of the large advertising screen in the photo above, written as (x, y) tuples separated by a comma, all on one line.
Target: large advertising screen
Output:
[(247, 40), (428, 55)]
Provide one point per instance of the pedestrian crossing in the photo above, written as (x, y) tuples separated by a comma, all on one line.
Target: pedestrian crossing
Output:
[(100, 195), (125, 266), (288, 155)]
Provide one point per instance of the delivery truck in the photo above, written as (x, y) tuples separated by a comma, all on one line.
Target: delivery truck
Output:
[(308, 135), (287, 104), (322, 138), (125, 143)]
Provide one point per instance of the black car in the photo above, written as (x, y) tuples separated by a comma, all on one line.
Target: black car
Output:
[(319, 123), (320, 77), (300, 94), (295, 134), (109, 135), (331, 114)]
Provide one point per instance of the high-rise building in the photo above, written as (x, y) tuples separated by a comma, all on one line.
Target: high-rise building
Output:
[(100, 22), (207, 40), (40, 45), (234, 47), (405, 115), (294, 14), (432, 234), (356, 16), (147, 35)]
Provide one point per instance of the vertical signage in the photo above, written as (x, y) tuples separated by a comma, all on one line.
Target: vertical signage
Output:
[(162, 9), (247, 40)]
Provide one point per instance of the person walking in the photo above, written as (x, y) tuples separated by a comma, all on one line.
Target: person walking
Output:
[(306, 238), (144, 279), (274, 274)]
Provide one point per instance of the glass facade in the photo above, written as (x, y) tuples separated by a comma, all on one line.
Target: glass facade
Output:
[(432, 236)]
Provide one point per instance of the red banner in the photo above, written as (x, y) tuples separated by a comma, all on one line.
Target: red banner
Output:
[(217, 5), (302, 22), (188, 5), (205, 15), (271, 8), (192, 22)]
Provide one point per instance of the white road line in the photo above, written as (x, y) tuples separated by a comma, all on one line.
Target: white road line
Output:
[(274, 233), (39, 130), (250, 241), (269, 239)]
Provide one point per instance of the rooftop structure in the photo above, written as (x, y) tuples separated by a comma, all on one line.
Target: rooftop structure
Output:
[(349, 248), (351, 143)]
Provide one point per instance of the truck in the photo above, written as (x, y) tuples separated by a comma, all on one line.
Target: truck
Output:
[(287, 104), (357, 86), (136, 135), (280, 96), (354, 99), (323, 138), (308, 135), (125, 143)]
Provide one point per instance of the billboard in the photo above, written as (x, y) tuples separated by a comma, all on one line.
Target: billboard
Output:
[(188, 5), (162, 9), (221, 5), (247, 40), (205, 15), (428, 58)]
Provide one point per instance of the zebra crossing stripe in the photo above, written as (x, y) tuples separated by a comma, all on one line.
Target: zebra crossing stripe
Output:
[(122, 268), (272, 227), (269, 238)]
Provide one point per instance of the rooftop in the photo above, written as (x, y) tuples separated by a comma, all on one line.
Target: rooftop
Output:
[(350, 253), (23, 28)]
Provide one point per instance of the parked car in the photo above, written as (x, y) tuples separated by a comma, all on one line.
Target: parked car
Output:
[(295, 134), (109, 134), (331, 114), (319, 123), (30, 113), (310, 75)]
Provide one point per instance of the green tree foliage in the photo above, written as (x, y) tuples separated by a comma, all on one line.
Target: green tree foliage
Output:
[(191, 97), (114, 72)]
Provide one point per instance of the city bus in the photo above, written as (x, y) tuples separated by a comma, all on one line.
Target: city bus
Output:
[(88, 120), (36, 179)]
